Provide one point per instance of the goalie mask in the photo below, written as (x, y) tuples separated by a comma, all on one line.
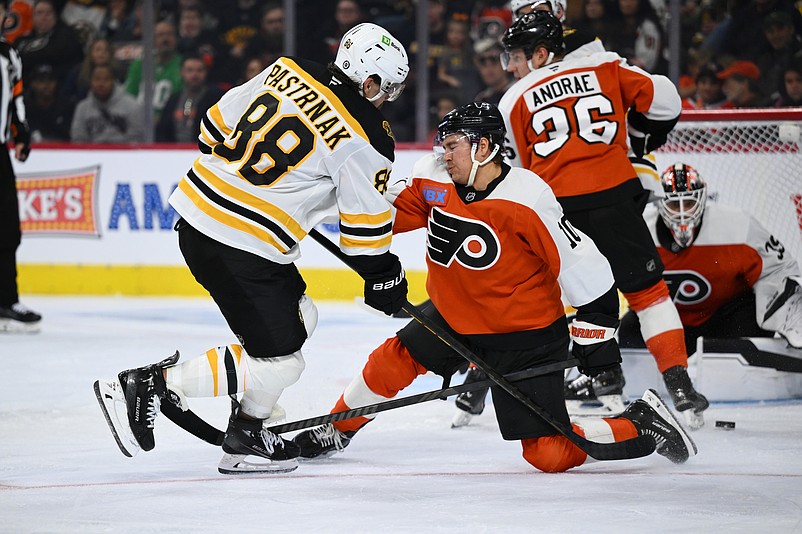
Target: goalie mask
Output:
[(367, 50), (683, 207), (474, 121), (539, 28)]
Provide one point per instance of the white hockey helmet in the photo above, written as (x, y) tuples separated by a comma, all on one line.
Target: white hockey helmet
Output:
[(368, 49), (557, 7), (683, 207)]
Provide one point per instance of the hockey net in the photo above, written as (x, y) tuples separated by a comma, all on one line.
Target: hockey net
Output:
[(750, 159)]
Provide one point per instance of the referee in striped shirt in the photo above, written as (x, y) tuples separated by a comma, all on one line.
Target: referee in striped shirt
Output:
[(14, 317)]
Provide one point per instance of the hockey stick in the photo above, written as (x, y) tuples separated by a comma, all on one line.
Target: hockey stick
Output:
[(192, 423), (199, 428), (632, 448), (419, 398)]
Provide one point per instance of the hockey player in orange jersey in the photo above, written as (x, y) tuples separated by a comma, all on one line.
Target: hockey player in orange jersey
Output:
[(610, 387), (499, 254), (568, 121), (728, 276)]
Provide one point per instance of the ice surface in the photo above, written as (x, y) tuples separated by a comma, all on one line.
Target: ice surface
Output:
[(407, 472)]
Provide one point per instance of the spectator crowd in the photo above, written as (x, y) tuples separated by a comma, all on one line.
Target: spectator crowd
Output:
[(82, 59)]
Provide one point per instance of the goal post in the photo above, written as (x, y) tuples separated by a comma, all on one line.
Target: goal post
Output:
[(750, 159)]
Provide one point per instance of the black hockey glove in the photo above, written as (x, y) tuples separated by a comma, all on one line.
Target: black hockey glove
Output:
[(386, 291), (595, 345), (646, 135)]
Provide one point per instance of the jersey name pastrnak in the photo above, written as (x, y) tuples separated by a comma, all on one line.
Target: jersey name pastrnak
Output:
[(309, 101)]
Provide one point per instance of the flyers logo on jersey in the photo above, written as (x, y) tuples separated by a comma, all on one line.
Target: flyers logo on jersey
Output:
[(687, 287), (435, 195), (471, 243)]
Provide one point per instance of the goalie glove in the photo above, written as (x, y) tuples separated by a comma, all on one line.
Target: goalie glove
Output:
[(594, 344)]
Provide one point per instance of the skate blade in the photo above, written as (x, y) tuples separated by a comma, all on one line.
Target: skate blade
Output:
[(125, 441), (17, 327), (461, 418), (653, 399), (693, 420), (606, 406), (237, 464)]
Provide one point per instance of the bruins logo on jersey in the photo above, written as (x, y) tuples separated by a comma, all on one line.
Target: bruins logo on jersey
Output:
[(687, 287), (472, 243), (386, 126)]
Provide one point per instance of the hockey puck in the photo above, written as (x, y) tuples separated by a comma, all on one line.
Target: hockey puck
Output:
[(725, 425)]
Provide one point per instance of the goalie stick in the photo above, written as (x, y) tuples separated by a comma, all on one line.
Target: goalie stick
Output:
[(789, 360), (632, 448)]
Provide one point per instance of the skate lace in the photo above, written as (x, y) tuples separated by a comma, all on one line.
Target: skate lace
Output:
[(327, 436), (581, 382), (154, 407), (271, 440), (659, 439), (20, 308)]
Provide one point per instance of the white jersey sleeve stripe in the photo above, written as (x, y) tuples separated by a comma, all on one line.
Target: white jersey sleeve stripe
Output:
[(215, 212), (216, 118), (246, 200), (229, 206)]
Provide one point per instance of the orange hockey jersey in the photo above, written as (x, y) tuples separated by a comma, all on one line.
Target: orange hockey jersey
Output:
[(732, 254), (497, 258), (567, 121)]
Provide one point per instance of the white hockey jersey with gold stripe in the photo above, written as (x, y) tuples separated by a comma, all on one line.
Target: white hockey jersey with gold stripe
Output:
[(290, 149)]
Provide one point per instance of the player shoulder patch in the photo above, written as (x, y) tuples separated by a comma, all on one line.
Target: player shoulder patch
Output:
[(386, 126), (434, 194)]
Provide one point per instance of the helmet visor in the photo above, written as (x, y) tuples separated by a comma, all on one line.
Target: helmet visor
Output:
[(392, 89), (448, 143), (513, 57)]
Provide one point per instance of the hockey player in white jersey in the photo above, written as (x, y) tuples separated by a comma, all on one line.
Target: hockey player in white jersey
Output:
[(298, 145), (728, 276)]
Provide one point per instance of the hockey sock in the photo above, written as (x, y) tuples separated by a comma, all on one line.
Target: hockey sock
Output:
[(660, 325), (220, 371), (555, 454), (390, 368), (229, 370)]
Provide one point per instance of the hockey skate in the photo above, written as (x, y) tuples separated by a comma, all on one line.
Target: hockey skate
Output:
[(19, 319), (470, 403), (687, 401), (652, 417), (131, 403), (322, 441), (601, 395), (250, 448)]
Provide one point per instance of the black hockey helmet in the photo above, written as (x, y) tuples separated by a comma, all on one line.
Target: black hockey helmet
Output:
[(683, 207), (476, 120), (538, 28)]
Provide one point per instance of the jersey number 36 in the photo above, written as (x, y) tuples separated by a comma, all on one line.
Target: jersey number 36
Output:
[(555, 122)]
